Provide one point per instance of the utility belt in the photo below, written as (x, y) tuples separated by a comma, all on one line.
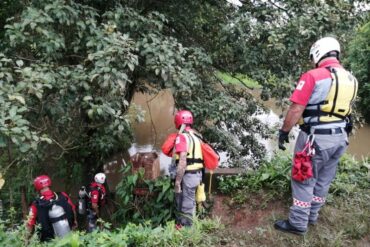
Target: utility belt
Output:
[(331, 131), (191, 161), (194, 171)]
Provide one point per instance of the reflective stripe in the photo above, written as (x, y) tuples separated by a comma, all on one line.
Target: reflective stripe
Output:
[(301, 204), (318, 199)]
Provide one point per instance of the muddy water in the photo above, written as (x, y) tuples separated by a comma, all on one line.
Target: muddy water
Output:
[(159, 123), (148, 135), (360, 143), (159, 112)]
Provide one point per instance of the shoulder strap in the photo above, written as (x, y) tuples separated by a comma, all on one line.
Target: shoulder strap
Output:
[(334, 72), (204, 140)]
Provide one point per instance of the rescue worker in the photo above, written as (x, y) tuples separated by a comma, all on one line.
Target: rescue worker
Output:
[(321, 103), (97, 200), (54, 211), (189, 168)]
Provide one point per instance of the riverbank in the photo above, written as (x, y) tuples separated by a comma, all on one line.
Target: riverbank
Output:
[(344, 221)]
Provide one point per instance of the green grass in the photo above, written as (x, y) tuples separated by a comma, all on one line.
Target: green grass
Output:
[(237, 79), (344, 222)]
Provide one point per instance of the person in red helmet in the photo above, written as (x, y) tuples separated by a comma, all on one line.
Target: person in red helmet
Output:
[(53, 211), (189, 172)]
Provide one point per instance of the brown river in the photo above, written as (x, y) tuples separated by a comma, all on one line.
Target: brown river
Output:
[(159, 111)]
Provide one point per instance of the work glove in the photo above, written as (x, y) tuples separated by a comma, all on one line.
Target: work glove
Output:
[(349, 125), (283, 138)]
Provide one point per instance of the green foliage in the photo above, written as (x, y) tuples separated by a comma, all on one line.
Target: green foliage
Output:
[(275, 37), (359, 60), (261, 38), (237, 79), (351, 176), (229, 125), (156, 204), (68, 73), (273, 177), (130, 235)]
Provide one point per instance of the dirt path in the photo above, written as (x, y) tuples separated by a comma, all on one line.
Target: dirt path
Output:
[(247, 216)]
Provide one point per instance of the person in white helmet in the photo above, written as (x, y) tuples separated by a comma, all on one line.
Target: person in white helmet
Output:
[(96, 200), (321, 104)]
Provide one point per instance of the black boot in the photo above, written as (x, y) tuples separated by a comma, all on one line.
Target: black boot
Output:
[(285, 226)]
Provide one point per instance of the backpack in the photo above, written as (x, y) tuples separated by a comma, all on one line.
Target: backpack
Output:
[(211, 157), (168, 144), (84, 196)]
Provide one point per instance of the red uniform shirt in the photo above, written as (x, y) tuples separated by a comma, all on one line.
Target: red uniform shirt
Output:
[(32, 216), (95, 196), (306, 84)]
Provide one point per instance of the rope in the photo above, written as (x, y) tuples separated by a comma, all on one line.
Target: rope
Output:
[(210, 183)]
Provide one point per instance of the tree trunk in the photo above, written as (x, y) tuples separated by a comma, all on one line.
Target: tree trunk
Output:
[(24, 202)]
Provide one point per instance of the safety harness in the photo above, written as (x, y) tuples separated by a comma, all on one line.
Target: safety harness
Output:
[(194, 158), (338, 103)]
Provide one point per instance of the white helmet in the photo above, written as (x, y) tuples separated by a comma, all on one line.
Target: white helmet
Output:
[(100, 178), (322, 47)]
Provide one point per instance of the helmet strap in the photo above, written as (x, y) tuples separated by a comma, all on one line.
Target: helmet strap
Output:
[(329, 54)]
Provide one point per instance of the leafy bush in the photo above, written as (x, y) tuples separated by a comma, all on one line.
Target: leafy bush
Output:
[(131, 235), (351, 176), (273, 177), (155, 205), (359, 60)]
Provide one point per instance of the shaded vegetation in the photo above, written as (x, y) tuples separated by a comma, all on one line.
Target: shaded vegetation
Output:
[(359, 61), (273, 177)]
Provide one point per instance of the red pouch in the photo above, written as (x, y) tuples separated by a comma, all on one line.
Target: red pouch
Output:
[(302, 167)]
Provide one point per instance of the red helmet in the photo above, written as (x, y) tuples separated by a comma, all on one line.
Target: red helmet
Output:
[(41, 182), (183, 117)]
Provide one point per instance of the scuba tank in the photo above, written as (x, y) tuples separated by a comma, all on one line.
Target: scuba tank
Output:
[(82, 200), (91, 221), (59, 221)]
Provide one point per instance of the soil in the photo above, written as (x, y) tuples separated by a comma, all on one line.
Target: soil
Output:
[(247, 216)]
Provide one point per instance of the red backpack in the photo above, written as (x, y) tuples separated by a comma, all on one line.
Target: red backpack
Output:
[(168, 144), (211, 157)]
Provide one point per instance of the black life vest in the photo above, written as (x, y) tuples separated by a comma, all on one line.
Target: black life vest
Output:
[(46, 232), (102, 195)]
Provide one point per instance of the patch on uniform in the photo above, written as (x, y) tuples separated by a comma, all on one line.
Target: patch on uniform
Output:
[(300, 85), (95, 196)]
